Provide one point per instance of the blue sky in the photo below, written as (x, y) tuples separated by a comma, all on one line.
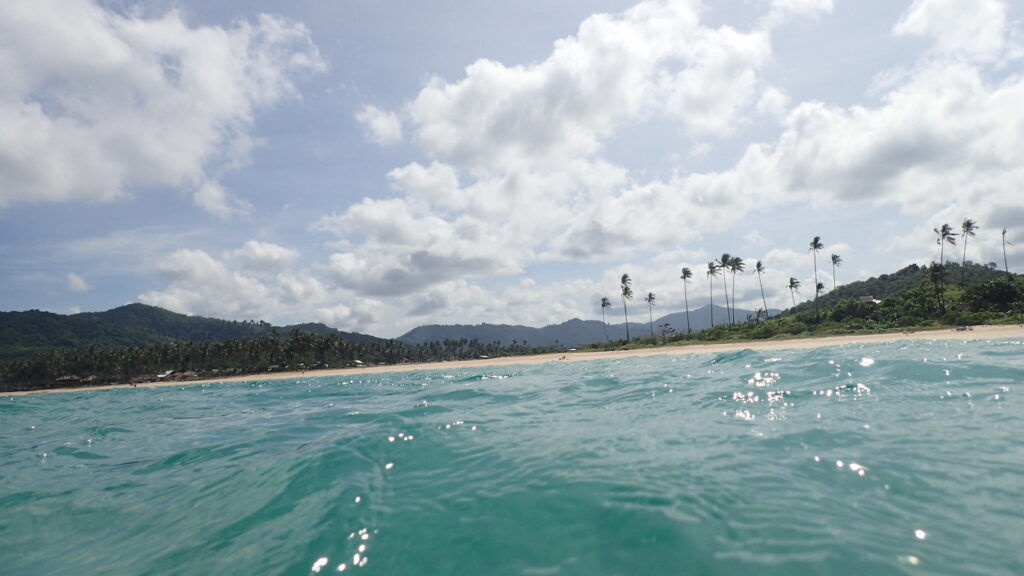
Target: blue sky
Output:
[(378, 165)]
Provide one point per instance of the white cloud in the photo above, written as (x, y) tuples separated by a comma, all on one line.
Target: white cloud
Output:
[(655, 59), (98, 104), (264, 257), (77, 284), (214, 199), (972, 28), (382, 127), (805, 8)]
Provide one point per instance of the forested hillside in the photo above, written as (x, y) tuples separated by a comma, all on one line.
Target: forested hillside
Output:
[(23, 334)]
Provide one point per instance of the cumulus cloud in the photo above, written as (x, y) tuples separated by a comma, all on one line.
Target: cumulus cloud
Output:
[(77, 284), (514, 179), (782, 10), (264, 257), (970, 28), (214, 199), (382, 127), (655, 59), (98, 104)]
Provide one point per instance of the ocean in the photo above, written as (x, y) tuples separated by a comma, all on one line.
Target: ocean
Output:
[(895, 458)]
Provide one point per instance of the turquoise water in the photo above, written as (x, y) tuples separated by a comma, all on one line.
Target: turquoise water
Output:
[(900, 458)]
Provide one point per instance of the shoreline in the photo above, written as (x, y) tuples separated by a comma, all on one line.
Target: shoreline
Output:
[(974, 333)]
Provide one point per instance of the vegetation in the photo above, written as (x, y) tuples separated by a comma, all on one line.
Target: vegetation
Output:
[(142, 343), (685, 276), (300, 350)]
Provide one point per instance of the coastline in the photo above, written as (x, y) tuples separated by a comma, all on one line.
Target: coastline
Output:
[(975, 333)]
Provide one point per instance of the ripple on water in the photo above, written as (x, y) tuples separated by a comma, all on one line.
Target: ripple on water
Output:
[(880, 458)]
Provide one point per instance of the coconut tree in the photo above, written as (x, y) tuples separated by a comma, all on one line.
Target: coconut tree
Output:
[(735, 265), (967, 229), (760, 269), (627, 294), (650, 310), (837, 261), (945, 235), (816, 246), (712, 273), (1005, 266), (724, 261), (686, 275), (794, 286), (605, 304)]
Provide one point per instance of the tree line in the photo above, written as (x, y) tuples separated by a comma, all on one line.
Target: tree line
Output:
[(299, 350), (729, 265)]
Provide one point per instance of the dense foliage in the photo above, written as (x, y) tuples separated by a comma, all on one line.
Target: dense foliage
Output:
[(23, 334), (929, 304), (913, 297), (300, 350)]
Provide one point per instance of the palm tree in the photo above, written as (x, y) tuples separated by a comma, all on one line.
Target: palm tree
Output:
[(945, 236), (712, 273), (816, 245), (760, 269), (837, 261), (723, 264), (735, 265), (605, 304), (1005, 266), (650, 310), (686, 275), (793, 286), (967, 229), (627, 294)]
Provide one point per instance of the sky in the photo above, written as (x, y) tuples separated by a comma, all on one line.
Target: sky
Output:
[(377, 165)]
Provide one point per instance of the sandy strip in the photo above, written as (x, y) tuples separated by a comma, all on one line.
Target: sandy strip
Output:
[(975, 333)]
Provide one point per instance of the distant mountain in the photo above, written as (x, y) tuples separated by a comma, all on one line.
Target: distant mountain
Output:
[(25, 333), (570, 334)]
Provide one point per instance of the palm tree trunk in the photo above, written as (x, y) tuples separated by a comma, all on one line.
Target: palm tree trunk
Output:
[(711, 298), (626, 312), (815, 283), (686, 302), (605, 323), (763, 301), (793, 296), (650, 313), (725, 288), (734, 297), (963, 265)]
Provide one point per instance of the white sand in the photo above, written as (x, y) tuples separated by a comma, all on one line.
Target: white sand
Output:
[(976, 333)]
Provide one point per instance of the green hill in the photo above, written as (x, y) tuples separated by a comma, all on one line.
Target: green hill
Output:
[(889, 285), (23, 334)]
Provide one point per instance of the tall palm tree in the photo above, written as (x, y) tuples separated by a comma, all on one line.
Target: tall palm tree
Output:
[(967, 229), (605, 304), (712, 273), (686, 275), (650, 310), (945, 235), (1005, 266), (723, 264), (627, 294), (794, 285), (816, 246), (735, 265), (760, 269), (837, 261)]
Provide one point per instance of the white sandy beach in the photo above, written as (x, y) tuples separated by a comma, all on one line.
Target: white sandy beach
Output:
[(975, 333)]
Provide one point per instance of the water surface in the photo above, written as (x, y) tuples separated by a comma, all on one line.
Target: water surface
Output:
[(898, 458)]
